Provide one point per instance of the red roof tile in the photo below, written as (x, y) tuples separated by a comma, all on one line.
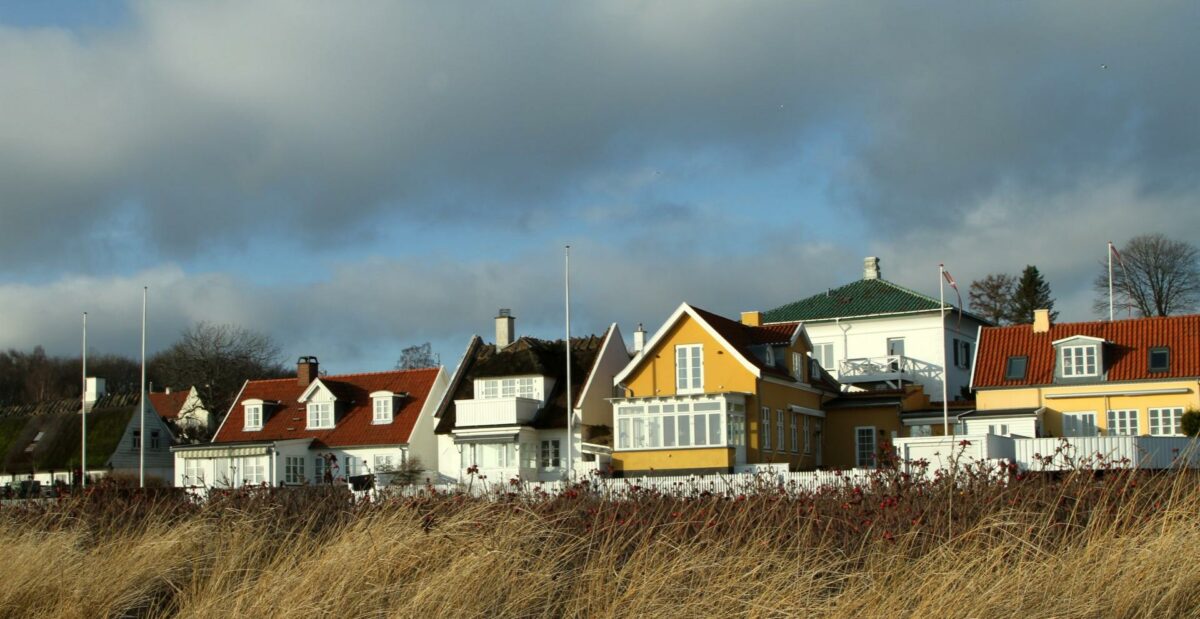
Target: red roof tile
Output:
[(353, 425), (168, 405), (743, 336), (1126, 354)]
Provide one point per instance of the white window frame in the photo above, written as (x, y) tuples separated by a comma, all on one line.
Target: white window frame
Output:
[(920, 429), (779, 437), (798, 366), (1075, 422), (1079, 360), (319, 466), (254, 470), (795, 433), (1122, 422), (1166, 421), (823, 353), (293, 470), (253, 418), (764, 429), (689, 377), (193, 472), (865, 459), (807, 434), (382, 407), (550, 455), (316, 415), (383, 462)]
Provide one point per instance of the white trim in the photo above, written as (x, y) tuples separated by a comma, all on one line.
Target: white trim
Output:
[(587, 384), (229, 412), (312, 387), (383, 394), (456, 378), (1095, 394), (804, 410), (684, 308), (1078, 337), (974, 357)]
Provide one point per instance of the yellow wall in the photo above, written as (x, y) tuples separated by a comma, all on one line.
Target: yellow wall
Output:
[(655, 376), (668, 459), (1100, 405), (840, 445)]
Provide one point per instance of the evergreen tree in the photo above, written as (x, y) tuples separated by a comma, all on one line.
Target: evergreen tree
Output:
[(1032, 293)]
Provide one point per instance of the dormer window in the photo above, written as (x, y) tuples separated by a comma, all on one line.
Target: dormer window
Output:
[(383, 405), (253, 418), (1015, 369), (532, 387), (1160, 359), (320, 415), (1077, 360)]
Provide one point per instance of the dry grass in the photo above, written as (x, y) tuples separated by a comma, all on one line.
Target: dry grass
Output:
[(1078, 546)]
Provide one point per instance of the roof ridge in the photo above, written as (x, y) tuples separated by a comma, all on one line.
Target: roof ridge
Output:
[(1100, 321)]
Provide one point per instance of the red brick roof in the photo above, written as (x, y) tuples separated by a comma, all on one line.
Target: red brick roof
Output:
[(353, 424), (1126, 352), (168, 405)]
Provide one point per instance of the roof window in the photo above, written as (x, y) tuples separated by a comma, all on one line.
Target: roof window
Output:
[(1015, 369), (1160, 359)]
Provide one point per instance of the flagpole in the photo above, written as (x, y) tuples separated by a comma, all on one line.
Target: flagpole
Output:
[(142, 421), (570, 402), (1110, 282), (83, 412), (945, 374)]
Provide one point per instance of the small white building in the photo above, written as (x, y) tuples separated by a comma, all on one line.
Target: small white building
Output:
[(319, 429), (505, 414), (873, 333), (184, 411)]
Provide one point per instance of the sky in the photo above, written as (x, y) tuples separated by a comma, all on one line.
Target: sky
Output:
[(355, 178)]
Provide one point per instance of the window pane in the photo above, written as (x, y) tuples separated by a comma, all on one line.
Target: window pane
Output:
[(714, 429), (655, 426), (623, 434), (685, 430), (698, 426), (668, 431), (639, 437)]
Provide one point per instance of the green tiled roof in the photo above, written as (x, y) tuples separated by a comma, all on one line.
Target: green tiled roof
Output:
[(864, 297)]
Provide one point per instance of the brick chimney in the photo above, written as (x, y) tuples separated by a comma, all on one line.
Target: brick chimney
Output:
[(505, 327), (752, 319), (306, 370), (871, 268), (1041, 320)]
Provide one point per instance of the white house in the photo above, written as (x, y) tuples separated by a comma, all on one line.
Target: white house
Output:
[(505, 414), (873, 333), (184, 410), (319, 429)]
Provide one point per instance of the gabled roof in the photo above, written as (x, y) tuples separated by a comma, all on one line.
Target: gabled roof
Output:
[(57, 448), (286, 418), (169, 405), (862, 298), (524, 357), (1126, 353)]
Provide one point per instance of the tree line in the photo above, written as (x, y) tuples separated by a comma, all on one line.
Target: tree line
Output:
[(1152, 275)]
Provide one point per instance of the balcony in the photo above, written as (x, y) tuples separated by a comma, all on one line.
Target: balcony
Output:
[(892, 370), (495, 412)]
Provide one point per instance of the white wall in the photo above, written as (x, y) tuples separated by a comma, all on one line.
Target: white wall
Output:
[(1024, 426), (924, 340), (423, 443)]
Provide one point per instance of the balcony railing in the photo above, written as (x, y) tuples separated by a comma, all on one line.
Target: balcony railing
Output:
[(888, 368), (495, 412)]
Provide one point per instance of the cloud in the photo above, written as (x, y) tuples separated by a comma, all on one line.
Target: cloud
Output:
[(220, 116)]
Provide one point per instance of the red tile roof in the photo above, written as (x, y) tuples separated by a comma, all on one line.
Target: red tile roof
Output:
[(353, 425), (1126, 354), (168, 405)]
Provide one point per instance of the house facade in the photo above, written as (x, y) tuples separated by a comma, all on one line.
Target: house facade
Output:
[(1122, 378), (316, 429), (874, 334), (505, 416), (184, 411), (708, 394)]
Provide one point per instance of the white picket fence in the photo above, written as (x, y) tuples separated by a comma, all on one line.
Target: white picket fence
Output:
[(1053, 454), (685, 485)]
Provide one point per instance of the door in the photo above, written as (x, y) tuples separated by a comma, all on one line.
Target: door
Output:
[(895, 348)]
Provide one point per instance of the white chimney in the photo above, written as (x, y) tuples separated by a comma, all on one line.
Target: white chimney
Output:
[(871, 268), (505, 327), (168, 391), (93, 391), (639, 339)]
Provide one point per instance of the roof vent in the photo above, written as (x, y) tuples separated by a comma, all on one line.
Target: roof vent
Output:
[(871, 268)]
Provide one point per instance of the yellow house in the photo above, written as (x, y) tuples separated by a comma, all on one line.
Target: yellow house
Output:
[(859, 425), (1125, 377), (708, 394)]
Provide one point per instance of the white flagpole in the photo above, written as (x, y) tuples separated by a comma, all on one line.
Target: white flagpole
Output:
[(83, 412), (942, 305), (142, 421), (570, 402), (1110, 282)]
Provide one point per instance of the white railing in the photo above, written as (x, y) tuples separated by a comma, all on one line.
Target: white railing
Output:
[(495, 411), (890, 367)]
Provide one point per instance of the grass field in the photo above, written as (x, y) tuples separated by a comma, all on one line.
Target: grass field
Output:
[(1120, 545)]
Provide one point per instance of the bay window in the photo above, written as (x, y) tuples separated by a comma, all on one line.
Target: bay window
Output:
[(698, 423)]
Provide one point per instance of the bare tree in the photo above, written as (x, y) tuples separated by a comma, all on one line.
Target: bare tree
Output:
[(992, 297), (217, 359), (416, 357), (1155, 276)]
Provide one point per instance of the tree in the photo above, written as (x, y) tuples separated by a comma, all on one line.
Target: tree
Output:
[(217, 360), (1190, 422), (417, 357), (992, 297), (1032, 293), (1155, 276)]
